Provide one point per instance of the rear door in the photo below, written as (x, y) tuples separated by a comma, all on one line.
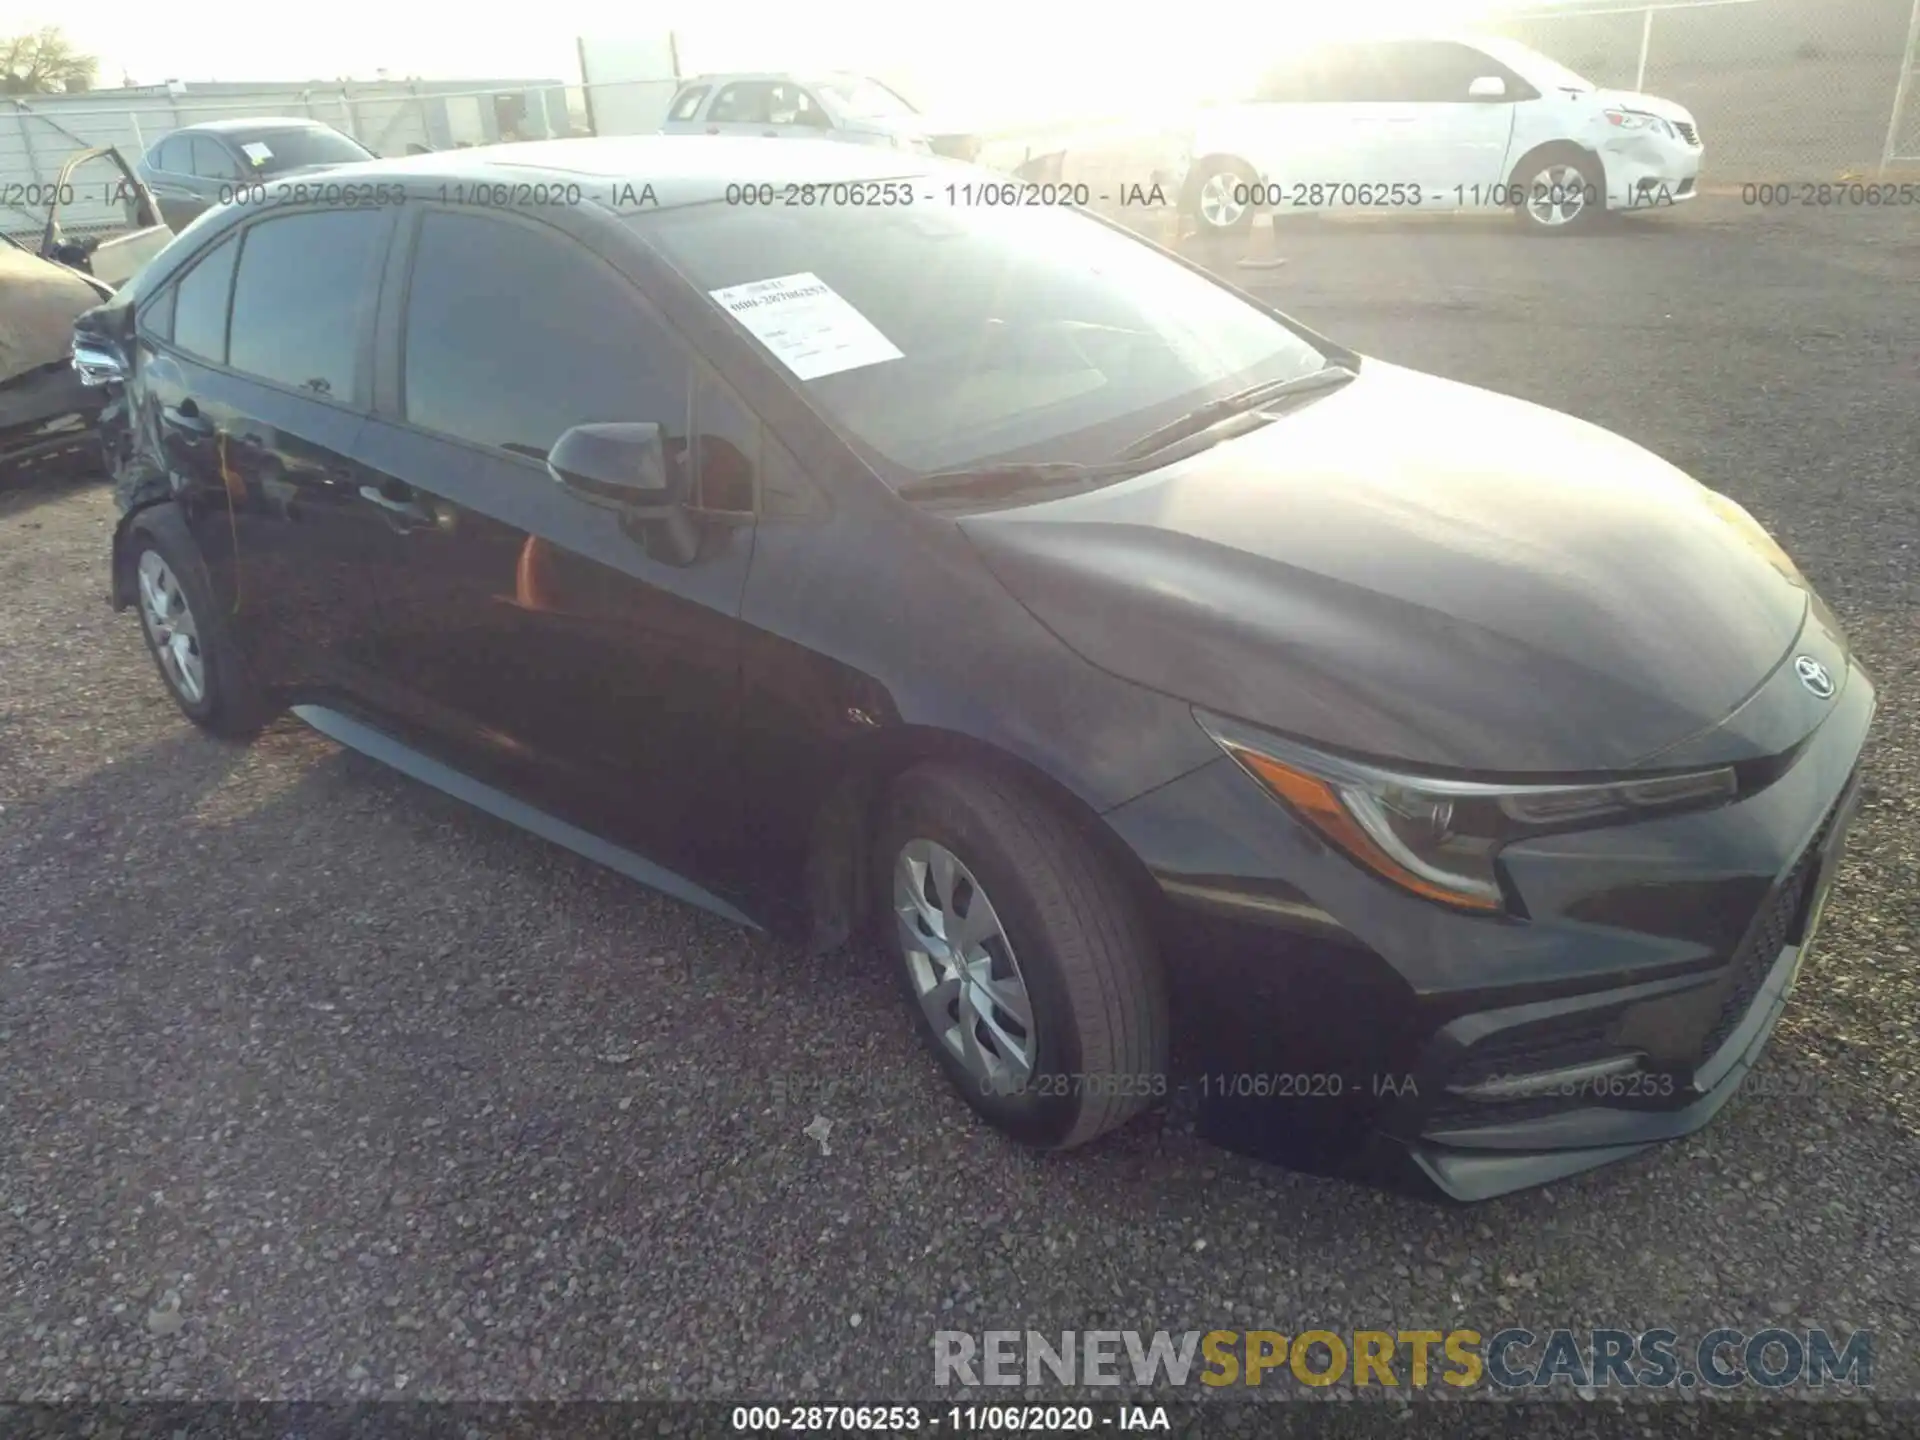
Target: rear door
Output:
[(215, 171), (537, 634), (1300, 130), (169, 175), (283, 411)]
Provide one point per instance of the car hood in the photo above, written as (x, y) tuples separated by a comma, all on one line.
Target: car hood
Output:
[(1420, 571), (42, 299)]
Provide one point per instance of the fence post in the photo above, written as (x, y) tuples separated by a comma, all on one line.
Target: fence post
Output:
[(1646, 44), (1909, 62)]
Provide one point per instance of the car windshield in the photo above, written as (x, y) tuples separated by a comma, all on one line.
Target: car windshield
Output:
[(866, 99), (271, 151), (940, 335), (1547, 73)]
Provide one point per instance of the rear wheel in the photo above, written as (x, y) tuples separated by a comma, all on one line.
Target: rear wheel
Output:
[(1027, 962), (185, 632)]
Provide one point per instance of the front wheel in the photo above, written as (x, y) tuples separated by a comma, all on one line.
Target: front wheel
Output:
[(1028, 965), (1223, 195), (1560, 193)]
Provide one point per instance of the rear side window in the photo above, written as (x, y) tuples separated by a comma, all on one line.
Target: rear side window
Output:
[(171, 155), (156, 316), (742, 104), (514, 334), (200, 304), (687, 106), (211, 160), (303, 285)]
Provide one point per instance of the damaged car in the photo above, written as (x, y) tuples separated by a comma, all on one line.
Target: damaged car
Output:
[(101, 228)]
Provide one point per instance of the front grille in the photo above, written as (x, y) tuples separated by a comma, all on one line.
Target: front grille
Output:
[(1766, 938), (1687, 132)]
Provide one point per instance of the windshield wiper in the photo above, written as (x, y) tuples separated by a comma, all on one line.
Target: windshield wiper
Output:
[(990, 481), (1330, 377)]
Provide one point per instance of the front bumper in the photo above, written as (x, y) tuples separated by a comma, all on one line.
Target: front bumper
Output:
[(1650, 172), (1347, 1021)]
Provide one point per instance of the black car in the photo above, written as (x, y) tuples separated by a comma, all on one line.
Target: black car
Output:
[(1179, 695), (199, 166)]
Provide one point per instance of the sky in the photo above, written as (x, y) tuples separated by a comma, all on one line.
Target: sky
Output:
[(1076, 50)]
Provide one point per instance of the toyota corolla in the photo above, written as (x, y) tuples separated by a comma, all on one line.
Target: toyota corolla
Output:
[(1176, 694)]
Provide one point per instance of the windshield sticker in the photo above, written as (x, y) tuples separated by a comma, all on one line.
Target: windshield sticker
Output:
[(809, 327), (257, 152)]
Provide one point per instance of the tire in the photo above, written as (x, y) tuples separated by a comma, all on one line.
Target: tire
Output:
[(1549, 182), (191, 646), (1069, 936), (1215, 181)]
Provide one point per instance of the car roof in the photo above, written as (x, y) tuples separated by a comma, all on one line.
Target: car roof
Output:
[(797, 77), (252, 123), (680, 169)]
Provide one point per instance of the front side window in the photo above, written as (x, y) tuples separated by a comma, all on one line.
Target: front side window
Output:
[(273, 151), (1435, 73), (956, 333), (200, 304), (790, 105), (515, 334), (304, 282), (866, 99)]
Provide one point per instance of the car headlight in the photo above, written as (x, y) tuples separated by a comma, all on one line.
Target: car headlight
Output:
[(1638, 120), (1439, 838)]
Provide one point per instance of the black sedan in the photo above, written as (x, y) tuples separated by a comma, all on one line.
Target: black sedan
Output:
[(1176, 694), (200, 166)]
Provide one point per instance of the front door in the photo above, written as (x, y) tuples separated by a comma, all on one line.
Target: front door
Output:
[(1455, 145), (1302, 131), (535, 632)]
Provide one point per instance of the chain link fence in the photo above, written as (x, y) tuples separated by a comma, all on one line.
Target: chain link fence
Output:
[(1796, 90)]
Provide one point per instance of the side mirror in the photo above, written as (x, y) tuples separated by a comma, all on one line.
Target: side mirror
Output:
[(1488, 87), (628, 468)]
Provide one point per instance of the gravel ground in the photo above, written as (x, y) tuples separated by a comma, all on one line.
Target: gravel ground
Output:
[(316, 1084)]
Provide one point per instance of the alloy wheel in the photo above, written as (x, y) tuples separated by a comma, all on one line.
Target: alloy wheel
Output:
[(962, 967), (170, 625), (1557, 196), (1219, 210)]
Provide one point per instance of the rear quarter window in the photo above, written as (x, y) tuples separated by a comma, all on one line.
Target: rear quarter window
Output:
[(686, 105)]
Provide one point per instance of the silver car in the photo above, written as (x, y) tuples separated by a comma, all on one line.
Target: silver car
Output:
[(826, 106)]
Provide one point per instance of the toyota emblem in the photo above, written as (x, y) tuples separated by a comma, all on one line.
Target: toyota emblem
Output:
[(1813, 675)]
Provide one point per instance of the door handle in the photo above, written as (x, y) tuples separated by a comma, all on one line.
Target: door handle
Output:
[(410, 512)]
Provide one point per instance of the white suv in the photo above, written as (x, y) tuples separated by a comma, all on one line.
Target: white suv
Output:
[(1447, 124)]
